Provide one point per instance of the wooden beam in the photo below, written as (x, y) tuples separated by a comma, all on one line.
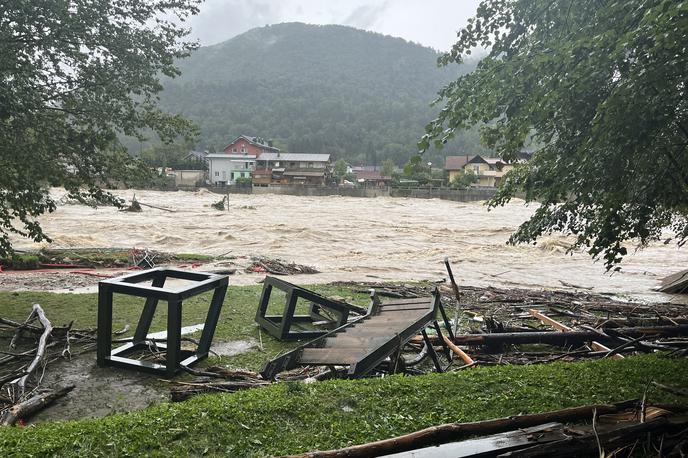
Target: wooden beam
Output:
[(459, 352), (563, 328)]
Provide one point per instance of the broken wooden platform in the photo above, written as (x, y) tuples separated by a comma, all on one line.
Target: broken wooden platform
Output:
[(364, 343)]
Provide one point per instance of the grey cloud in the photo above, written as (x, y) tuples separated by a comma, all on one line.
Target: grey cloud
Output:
[(220, 20), (365, 16)]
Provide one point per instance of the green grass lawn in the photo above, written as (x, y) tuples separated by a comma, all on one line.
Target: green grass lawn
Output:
[(296, 417), (236, 321)]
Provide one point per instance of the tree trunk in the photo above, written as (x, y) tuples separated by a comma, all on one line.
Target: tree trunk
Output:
[(454, 431), (32, 405)]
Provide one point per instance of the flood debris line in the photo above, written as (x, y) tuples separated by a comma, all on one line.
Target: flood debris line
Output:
[(214, 379), (612, 429), (33, 345), (277, 267)]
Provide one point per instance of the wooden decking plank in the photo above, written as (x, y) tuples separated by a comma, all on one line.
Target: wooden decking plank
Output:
[(332, 355), (344, 341), (414, 300)]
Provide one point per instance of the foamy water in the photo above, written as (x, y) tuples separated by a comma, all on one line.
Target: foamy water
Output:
[(359, 239)]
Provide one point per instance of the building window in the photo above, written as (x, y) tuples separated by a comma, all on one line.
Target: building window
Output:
[(217, 174), (234, 150), (247, 165), (310, 165)]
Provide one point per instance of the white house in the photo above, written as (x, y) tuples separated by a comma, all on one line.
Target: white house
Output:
[(224, 169)]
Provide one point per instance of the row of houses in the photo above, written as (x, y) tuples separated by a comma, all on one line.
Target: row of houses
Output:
[(488, 170), (256, 159)]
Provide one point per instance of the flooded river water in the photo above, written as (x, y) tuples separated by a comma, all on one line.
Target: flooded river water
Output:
[(359, 239)]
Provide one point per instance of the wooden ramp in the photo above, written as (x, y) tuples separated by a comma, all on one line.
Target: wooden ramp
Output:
[(365, 343)]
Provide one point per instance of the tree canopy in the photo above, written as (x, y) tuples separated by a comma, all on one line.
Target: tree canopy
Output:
[(74, 77), (598, 89)]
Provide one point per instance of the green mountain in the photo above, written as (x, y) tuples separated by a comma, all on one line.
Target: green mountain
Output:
[(359, 95)]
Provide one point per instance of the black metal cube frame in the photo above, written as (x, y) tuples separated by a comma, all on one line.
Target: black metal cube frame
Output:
[(280, 326), (130, 285)]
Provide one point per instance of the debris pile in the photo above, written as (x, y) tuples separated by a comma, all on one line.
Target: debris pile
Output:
[(220, 205), (33, 344), (214, 379), (277, 267), (519, 326)]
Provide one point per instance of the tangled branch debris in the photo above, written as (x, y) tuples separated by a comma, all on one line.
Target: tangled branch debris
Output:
[(278, 267), (20, 381)]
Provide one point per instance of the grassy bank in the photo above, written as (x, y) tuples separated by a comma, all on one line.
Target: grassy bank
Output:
[(236, 321), (294, 417), (90, 257)]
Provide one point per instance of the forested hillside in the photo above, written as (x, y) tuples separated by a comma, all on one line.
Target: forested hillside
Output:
[(360, 95)]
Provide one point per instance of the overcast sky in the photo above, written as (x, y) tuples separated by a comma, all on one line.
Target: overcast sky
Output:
[(431, 23)]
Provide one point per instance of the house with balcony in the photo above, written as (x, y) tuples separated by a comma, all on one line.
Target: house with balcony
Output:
[(490, 170), (292, 169), (225, 169)]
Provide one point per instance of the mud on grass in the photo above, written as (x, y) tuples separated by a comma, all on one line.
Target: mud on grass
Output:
[(294, 417)]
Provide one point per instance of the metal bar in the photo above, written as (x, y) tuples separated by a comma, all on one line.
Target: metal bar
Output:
[(447, 324), (148, 311), (447, 351), (431, 351), (211, 320), (288, 315), (174, 331), (104, 338)]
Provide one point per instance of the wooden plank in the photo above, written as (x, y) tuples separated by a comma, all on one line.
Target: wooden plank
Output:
[(403, 308), (415, 300), (332, 355), (459, 352), (343, 341), (547, 320)]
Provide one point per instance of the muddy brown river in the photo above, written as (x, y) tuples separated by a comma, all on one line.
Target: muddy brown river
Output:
[(359, 239)]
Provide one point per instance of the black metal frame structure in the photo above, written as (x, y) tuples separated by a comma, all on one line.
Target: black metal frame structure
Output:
[(156, 291), (389, 347), (280, 326)]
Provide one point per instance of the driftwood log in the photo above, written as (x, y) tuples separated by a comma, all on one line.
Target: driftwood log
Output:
[(450, 432), (589, 444), (563, 338), (20, 382), (32, 405)]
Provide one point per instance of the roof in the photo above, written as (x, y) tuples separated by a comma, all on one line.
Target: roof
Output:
[(370, 175), (365, 168), (456, 162), (242, 157), (296, 157), (300, 173), (257, 141), (198, 154)]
